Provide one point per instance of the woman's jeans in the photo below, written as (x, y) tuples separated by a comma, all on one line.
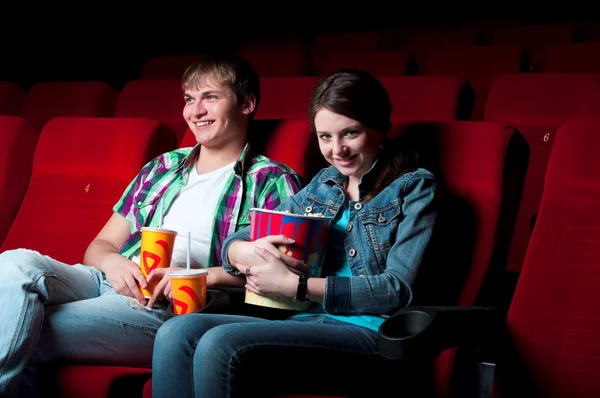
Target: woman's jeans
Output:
[(212, 355)]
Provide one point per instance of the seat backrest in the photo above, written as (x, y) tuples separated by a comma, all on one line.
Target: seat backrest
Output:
[(158, 99), (278, 63), (537, 104), (46, 100), (574, 58), (168, 67), (421, 42), (379, 63), (343, 42), (479, 65), (18, 139), (536, 39), (554, 318), (429, 97), (80, 170), (11, 98), (480, 169), (285, 97)]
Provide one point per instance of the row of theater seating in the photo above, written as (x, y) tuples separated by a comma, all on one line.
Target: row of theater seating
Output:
[(81, 166), (535, 103)]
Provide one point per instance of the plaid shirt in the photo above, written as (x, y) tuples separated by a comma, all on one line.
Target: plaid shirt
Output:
[(256, 182)]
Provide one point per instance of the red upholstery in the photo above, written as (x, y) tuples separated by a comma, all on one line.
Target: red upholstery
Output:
[(421, 42), (75, 381), (170, 67), (285, 97), (428, 97), (537, 104), (158, 99), (81, 167), (11, 98), (479, 65), (536, 39), (84, 99), (278, 63), (574, 58), (343, 42), (19, 139), (381, 63), (291, 143), (554, 317), (274, 45), (481, 167)]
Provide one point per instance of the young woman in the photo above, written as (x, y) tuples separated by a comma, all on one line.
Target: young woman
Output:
[(384, 211)]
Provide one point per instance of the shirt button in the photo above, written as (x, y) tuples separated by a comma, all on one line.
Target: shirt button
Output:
[(140, 203), (349, 227), (352, 252), (358, 206)]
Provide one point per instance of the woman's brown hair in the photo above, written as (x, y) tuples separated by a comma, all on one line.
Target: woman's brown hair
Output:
[(360, 96)]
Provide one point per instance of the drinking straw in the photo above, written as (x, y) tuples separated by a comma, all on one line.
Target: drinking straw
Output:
[(189, 240)]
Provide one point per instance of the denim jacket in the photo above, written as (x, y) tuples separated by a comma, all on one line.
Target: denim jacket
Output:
[(385, 243)]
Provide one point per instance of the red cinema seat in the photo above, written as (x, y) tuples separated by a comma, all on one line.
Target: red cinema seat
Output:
[(537, 104), (18, 140), (380, 63), (343, 42), (47, 100), (479, 65), (574, 58), (169, 67), (429, 97), (419, 43), (285, 97), (278, 63), (158, 99), (80, 169), (536, 39), (553, 323), (11, 98)]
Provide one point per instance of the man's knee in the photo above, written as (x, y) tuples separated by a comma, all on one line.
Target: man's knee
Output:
[(21, 261)]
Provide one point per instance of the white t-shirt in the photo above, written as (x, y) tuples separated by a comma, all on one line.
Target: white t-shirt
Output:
[(193, 210)]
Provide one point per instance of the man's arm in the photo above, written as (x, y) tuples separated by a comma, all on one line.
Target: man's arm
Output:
[(103, 254)]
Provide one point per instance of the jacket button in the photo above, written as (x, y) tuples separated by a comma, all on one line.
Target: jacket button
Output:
[(352, 252), (308, 209), (381, 219), (349, 227), (358, 206)]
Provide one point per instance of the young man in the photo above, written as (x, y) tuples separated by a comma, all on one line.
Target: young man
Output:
[(85, 312)]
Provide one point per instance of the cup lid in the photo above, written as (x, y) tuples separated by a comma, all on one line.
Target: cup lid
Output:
[(185, 273), (168, 231)]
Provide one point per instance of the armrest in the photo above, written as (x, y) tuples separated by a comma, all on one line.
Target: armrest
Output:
[(420, 332), (216, 301)]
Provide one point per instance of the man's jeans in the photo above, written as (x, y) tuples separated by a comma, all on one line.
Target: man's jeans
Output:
[(50, 311)]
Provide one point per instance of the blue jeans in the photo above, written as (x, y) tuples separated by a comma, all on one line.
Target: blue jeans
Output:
[(213, 355), (50, 311)]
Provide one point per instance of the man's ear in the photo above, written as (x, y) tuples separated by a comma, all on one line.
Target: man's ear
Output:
[(249, 105)]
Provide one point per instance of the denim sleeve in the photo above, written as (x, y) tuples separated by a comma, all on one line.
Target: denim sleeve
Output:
[(391, 290)]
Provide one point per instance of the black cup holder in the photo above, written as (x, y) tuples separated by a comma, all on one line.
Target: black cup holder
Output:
[(405, 334), (406, 325)]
